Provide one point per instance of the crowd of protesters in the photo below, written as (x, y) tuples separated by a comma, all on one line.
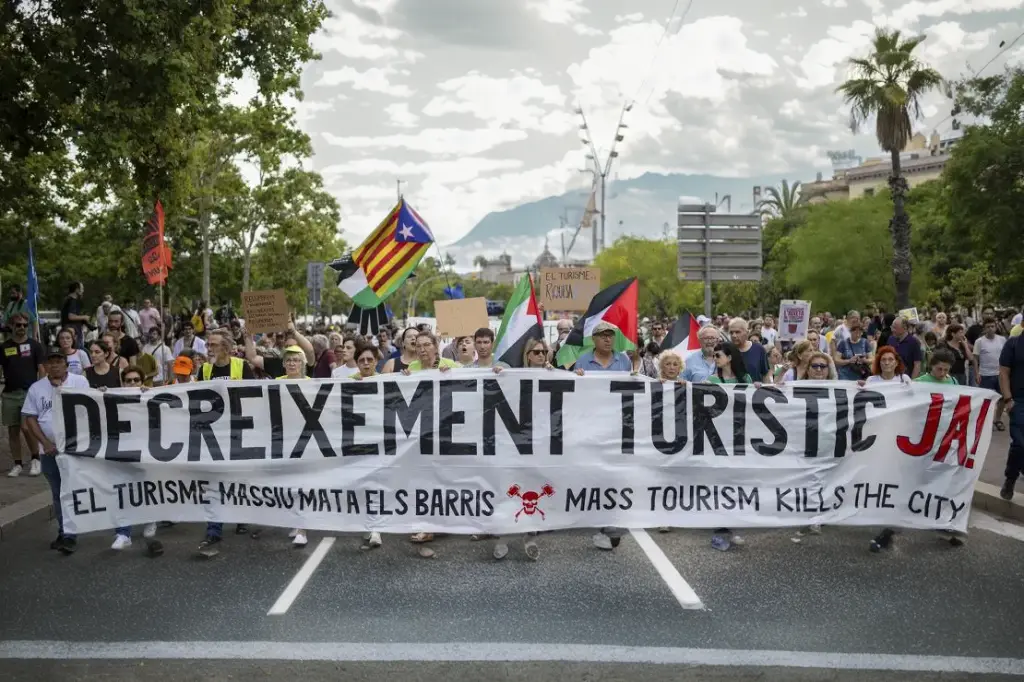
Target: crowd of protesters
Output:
[(123, 347)]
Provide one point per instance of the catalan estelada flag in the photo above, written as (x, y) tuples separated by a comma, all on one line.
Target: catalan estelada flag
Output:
[(386, 258)]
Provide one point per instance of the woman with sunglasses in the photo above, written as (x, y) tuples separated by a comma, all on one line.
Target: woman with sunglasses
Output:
[(367, 356), (131, 377), (294, 360), (729, 366), (78, 359), (729, 369)]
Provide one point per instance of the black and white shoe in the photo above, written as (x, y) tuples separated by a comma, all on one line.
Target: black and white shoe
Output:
[(210, 547)]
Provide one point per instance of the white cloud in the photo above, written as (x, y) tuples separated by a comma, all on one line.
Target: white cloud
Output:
[(629, 18), (353, 38), (821, 59), (372, 80), (456, 171), (799, 13), (400, 116), (948, 38), (439, 141), (558, 11), (875, 6), (520, 101), (911, 13), (834, 3)]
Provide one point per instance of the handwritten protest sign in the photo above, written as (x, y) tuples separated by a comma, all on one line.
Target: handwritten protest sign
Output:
[(265, 311), (568, 288)]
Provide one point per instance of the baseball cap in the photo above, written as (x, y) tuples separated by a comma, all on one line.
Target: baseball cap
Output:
[(182, 365), (603, 328)]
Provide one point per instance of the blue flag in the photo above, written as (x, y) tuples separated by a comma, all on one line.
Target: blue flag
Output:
[(33, 286)]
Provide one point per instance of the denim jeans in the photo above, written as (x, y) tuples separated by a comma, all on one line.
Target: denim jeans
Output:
[(1015, 457), (52, 473)]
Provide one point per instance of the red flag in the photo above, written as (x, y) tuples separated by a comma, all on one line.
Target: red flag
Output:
[(156, 256)]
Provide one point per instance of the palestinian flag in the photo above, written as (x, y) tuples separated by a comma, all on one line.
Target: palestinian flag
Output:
[(522, 322), (682, 337), (616, 305)]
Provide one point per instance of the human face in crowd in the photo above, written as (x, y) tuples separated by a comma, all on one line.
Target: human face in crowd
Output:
[(57, 369), (815, 324), (564, 327), (887, 363), (409, 342), (940, 370), (769, 322), (739, 333), (671, 367), (426, 350), (941, 319), (709, 338), (722, 359), (899, 327), (657, 330), (852, 318), (775, 356), (348, 350), (383, 338), (294, 365), (856, 331), (367, 363), (219, 347), (187, 332), (334, 340), (818, 368), (537, 355), (465, 349), (814, 337), (604, 341), (111, 342), (15, 294), (65, 340), (114, 322), (990, 330), (483, 346), (96, 355), (146, 303), (129, 379), (20, 326)]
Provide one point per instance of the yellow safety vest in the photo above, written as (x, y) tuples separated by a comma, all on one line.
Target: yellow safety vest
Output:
[(237, 368)]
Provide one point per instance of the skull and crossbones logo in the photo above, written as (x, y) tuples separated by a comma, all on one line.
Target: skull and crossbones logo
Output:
[(530, 499)]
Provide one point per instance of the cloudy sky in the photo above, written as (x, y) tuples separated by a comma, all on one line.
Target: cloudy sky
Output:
[(471, 103)]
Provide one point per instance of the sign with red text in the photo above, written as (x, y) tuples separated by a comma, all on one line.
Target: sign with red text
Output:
[(471, 451)]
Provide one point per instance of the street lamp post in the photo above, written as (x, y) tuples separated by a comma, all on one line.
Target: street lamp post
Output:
[(601, 171)]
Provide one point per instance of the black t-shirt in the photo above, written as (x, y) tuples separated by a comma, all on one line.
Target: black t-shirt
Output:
[(112, 379), (72, 306), (225, 372), (1012, 357), (21, 363), (974, 332), (128, 348)]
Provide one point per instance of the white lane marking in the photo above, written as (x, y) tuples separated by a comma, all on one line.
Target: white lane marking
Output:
[(679, 588), (990, 523), (284, 602), (502, 651)]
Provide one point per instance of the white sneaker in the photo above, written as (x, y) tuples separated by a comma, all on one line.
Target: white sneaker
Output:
[(293, 532), (602, 541), (121, 542), (374, 540), (15, 471), (737, 540), (299, 540), (35, 468), (500, 550), (149, 531)]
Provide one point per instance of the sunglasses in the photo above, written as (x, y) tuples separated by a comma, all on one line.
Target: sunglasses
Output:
[(538, 351), (818, 365), (131, 381), (20, 325)]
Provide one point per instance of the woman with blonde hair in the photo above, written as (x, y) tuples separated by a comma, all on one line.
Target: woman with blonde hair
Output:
[(799, 360), (670, 367)]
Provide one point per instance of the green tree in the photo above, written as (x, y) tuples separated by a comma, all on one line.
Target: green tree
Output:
[(781, 201), (888, 86), (839, 259), (985, 194), (655, 263)]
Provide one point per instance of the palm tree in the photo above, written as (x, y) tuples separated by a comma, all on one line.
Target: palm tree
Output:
[(888, 85), (781, 201)]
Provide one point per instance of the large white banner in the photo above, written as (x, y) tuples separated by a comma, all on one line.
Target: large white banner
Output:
[(470, 451)]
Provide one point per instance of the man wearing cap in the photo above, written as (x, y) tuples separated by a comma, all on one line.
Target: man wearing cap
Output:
[(603, 358), (183, 370), (38, 416), (224, 367)]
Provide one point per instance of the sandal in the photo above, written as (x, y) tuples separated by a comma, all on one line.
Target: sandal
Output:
[(420, 538)]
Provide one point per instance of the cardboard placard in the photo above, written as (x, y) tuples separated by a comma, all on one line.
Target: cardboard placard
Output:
[(568, 288), (794, 317), (910, 314), (460, 316), (265, 311)]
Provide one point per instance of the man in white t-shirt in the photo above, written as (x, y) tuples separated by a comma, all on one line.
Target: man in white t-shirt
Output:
[(1018, 318), (842, 332), (37, 413), (156, 347), (986, 360), (769, 335)]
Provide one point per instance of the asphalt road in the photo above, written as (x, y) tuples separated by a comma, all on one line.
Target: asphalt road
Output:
[(823, 609)]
